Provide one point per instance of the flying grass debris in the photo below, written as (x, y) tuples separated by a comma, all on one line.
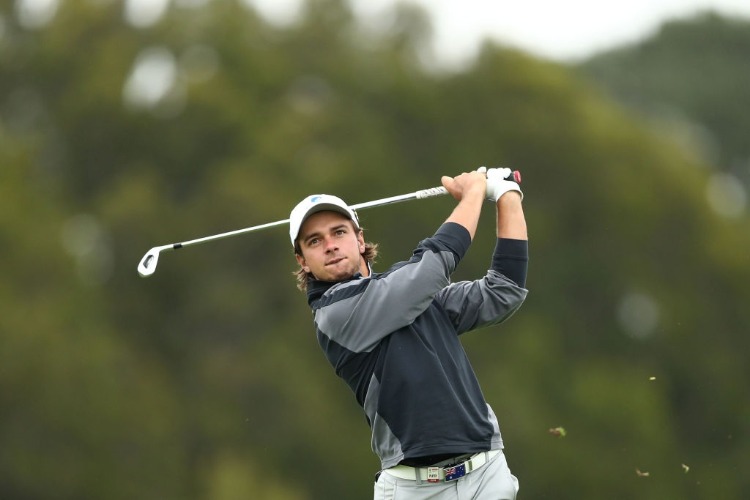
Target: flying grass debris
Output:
[(685, 468), (558, 431), (641, 474)]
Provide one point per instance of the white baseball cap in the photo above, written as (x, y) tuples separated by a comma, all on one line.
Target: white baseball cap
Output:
[(317, 203)]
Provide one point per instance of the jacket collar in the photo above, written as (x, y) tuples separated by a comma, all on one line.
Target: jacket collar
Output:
[(316, 288)]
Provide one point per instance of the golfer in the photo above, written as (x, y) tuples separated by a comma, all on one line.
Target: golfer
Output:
[(393, 336)]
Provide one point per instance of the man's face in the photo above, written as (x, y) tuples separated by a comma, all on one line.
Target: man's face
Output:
[(331, 248)]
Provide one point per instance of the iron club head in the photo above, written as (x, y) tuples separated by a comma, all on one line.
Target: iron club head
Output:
[(148, 263)]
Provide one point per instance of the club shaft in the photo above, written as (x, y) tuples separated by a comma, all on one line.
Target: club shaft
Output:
[(417, 195), (228, 234)]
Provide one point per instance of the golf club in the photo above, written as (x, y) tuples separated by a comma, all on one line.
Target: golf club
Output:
[(147, 265)]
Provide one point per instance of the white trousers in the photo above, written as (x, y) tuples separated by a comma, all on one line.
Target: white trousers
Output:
[(493, 481)]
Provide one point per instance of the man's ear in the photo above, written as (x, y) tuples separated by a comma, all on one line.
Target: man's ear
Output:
[(361, 241), (301, 262)]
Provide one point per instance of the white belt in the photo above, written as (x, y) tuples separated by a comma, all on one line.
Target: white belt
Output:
[(441, 474)]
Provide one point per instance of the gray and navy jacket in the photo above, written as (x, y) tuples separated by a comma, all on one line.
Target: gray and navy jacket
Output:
[(393, 338)]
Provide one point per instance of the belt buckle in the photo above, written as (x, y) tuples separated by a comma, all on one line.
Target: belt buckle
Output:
[(455, 472)]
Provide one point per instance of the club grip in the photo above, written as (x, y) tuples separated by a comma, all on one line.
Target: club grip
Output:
[(514, 176), (437, 191)]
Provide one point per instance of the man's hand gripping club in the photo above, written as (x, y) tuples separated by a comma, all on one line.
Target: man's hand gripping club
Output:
[(499, 183), (472, 188)]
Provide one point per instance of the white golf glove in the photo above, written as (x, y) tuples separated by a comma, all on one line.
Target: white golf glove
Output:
[(498, 183)]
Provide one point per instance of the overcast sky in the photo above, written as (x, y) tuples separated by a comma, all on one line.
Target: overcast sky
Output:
[(553, 29)]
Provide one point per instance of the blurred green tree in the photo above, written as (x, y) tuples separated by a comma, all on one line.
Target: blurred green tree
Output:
[(690, 79)]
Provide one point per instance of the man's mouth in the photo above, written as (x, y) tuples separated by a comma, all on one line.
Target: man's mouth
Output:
[(334, 261)]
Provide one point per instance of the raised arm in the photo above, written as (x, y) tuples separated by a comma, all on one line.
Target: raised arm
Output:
[(469, 189), (474, 304), (511, 222)]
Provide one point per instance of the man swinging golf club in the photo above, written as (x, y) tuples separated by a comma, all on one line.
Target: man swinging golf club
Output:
[(393, 336)]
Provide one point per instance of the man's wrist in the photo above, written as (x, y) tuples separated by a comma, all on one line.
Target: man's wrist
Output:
[(509, 197), (475, 192)]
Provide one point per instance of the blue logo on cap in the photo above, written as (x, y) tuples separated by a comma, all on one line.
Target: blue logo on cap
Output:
[(314, 199)]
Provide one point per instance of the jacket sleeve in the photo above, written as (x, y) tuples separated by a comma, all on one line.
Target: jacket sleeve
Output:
[(494, 298), (357, 314)]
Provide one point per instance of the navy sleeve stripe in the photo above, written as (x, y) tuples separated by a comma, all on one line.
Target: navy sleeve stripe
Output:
[(511, 259), (452, 236)]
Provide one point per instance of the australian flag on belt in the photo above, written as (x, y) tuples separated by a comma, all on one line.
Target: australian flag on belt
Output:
[(455, 472)]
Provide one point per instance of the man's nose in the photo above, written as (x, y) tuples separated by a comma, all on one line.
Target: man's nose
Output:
[(330, 243)]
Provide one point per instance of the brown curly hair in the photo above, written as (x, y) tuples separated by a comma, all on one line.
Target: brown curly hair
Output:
[(370, 254)]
